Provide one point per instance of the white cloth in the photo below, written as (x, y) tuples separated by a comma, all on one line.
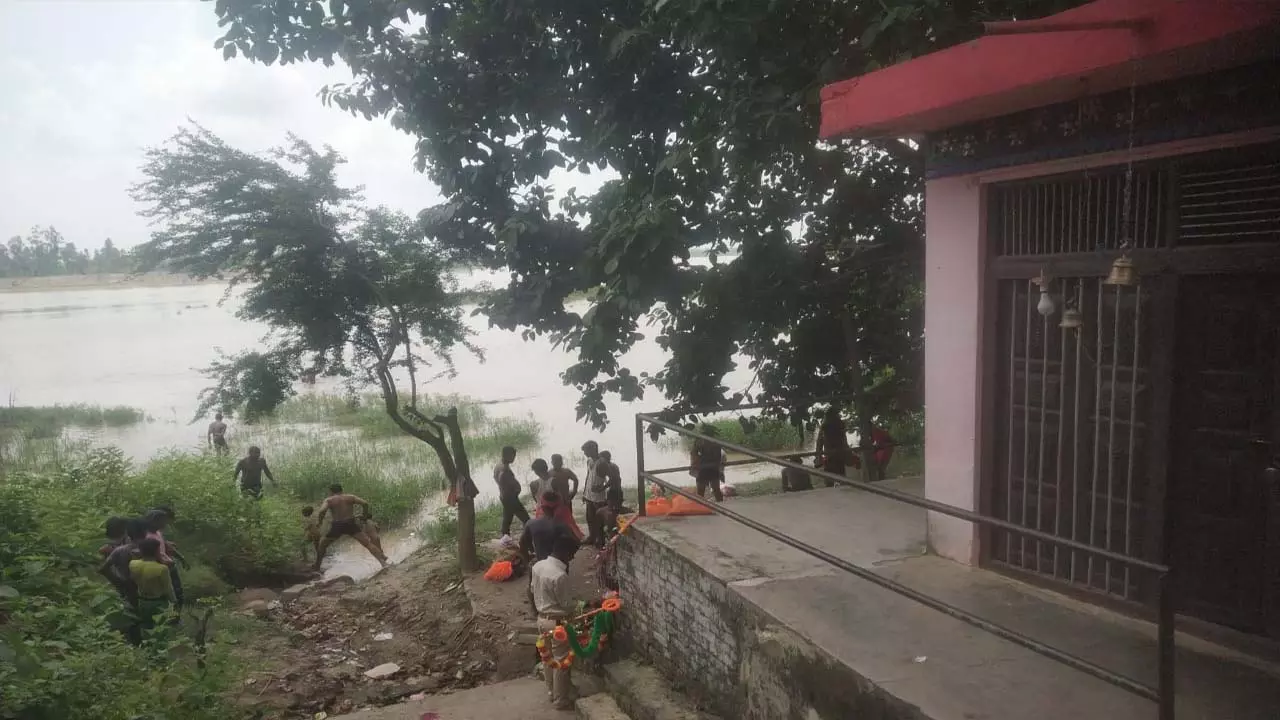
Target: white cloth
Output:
[(550, 580), (595, 485)]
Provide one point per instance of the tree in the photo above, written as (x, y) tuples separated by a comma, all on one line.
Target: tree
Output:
[(707, 114), (347, 290)]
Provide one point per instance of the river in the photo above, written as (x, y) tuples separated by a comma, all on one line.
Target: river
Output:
[(144, 347)]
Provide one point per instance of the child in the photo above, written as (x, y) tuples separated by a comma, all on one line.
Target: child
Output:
[(153, 581), (117, 531), (310, 530), (371, 529), (157, 520)]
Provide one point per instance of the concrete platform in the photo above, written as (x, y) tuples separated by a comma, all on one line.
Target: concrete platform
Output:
[(859, 646)]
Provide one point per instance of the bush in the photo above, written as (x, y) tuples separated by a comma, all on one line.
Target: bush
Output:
[(757, 433), (60, 658), (361, 469)]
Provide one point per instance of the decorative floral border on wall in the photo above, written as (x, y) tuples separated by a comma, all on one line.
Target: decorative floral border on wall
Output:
[(1226, 101)]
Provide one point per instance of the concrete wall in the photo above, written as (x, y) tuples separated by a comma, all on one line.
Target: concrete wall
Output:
[(954, 254), (726, 653)]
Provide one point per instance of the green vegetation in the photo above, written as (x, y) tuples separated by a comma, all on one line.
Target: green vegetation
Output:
[(60, 656), (905, 463), (365, 413), (50, 420), (758, 433)]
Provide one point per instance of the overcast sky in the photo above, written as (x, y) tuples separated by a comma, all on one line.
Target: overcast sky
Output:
[(87, 84)]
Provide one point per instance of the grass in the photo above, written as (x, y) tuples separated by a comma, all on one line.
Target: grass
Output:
[(365, 414), (48, 421), (903, 464), (756, 433)]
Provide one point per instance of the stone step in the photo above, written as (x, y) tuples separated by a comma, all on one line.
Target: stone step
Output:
[(644, 694), (598, 707)]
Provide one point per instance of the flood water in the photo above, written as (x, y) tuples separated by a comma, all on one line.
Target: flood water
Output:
[(144, 347)]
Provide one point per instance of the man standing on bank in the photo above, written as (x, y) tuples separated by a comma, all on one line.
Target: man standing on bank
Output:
[(555, 605), (833, 444), (593, 493), (706, 465), (343, 507), (218, 435), (509, 491)]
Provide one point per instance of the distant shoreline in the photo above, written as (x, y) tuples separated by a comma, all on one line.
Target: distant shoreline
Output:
[(104, 281)]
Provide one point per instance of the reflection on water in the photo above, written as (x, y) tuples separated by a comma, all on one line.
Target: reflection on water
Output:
[(144, 347)]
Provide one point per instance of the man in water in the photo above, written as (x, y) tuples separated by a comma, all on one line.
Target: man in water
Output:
[(593, 495), (509, 491), (250, 470), (218, 435), (344, 522)]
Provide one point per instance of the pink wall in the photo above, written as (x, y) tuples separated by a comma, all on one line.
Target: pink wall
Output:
[(954, 242)]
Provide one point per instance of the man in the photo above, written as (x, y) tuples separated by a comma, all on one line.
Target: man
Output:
[(554, 605), (153, 582), (218, 435), (593, 495), (794, 479), (509, 491), (552, 501), (250, 471), (344, 522), (561, 476), (115, 567), (157, 521), (833, 444), (706, 465), (538, 538)]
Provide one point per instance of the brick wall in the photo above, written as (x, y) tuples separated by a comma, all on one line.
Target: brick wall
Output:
[(726, 653)]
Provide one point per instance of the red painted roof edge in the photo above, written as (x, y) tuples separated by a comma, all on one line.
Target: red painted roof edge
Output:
[(1001, 74)]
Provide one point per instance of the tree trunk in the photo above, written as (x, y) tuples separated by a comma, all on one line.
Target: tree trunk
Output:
[(861, 410), (466, 495)]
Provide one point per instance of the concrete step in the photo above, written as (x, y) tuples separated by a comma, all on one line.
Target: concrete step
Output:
[(644, 694), (599, 707)]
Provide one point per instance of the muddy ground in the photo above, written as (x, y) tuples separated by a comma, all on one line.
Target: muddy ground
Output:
[(310, 656)]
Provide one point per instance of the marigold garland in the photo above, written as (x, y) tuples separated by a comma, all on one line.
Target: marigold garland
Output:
[(601, 626)]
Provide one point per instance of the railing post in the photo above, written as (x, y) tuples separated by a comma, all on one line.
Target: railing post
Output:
[(1167, 647), (640, 465)]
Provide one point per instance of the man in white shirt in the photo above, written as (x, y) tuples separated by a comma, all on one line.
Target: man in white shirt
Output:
[(555, 605), (593, 493)]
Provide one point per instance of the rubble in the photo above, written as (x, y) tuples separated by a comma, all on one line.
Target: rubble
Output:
[(383, 671)]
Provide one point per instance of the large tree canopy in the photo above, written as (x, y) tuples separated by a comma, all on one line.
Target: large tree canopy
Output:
[(706, 113)]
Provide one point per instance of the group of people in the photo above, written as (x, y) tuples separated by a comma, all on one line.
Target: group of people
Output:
[(551, 538), (554, 489), (143, 567)]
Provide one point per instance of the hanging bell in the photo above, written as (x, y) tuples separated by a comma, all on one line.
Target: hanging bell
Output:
[(1046, 306), (1123, 273), (1071, 319)]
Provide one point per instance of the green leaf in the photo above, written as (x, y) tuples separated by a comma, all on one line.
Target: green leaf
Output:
[(7, 591)]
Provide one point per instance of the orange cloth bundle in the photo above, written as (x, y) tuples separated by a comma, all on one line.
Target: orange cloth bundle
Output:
[(499, 571), (658, 506), (682, 505)]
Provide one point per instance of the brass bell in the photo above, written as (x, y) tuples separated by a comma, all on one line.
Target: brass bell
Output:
[(1122, 273), (1071, 319)]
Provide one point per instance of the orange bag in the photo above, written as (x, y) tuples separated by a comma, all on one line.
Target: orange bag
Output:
[(682, 505), (499, 571), (656, 507)]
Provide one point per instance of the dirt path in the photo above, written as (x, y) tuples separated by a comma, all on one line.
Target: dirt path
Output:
[(311, 655)]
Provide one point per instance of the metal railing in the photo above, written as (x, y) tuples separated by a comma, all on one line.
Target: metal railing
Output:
[(1162, 694)]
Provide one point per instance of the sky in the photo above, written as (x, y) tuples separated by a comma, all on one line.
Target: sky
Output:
[(88, 84)]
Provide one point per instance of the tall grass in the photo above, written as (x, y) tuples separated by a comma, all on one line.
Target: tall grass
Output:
[(37, 422), (365, 414), (764, 434)]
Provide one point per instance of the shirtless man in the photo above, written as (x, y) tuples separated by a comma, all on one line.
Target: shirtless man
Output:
[(218, 435), (344, 522), (250, 471), (561, 476)]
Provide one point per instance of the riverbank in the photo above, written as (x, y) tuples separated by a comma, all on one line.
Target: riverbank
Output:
[(102, 281)]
